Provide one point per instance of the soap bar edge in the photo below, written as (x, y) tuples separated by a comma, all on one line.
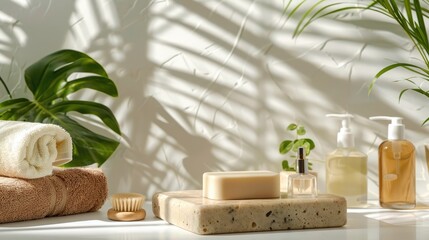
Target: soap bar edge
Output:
[(218, 187)]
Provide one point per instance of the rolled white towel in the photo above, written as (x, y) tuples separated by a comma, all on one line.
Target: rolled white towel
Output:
[(30, 150)]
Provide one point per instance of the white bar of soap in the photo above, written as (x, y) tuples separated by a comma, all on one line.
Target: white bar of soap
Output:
[(237, 185)]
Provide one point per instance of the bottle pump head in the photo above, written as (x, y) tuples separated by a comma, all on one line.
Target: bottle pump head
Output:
[(345, 138), (395, 129)]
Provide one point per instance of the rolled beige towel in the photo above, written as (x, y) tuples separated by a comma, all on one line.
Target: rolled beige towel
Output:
[(67, 191), (30, 150)]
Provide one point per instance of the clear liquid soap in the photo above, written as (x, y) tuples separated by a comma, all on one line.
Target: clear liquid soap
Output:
[(346, 167)]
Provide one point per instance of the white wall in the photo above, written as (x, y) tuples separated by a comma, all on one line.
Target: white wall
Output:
[(211, 85)]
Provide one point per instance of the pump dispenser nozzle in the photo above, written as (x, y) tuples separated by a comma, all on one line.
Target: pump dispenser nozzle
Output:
[(345, 138), (395, 129)]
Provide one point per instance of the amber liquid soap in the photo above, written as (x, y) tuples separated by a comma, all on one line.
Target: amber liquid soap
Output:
[(397, 174)]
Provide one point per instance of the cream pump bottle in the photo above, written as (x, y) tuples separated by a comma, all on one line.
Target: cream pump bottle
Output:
[(396, 167), (346, 167)]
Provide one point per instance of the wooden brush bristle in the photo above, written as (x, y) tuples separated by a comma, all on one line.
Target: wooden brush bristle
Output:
[(127, 202)]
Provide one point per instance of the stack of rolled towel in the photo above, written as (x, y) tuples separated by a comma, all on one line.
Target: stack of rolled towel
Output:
[(31, 187)]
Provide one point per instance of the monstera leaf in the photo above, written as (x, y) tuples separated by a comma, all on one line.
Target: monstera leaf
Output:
[(49, 81)]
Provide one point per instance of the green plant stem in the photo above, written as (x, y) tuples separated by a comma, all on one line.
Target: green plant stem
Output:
[(5, 87)]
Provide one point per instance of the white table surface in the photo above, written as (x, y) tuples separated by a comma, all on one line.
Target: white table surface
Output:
[(366, 223)]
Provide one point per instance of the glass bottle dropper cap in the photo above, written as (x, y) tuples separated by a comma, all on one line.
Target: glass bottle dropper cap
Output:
[(302, 164)]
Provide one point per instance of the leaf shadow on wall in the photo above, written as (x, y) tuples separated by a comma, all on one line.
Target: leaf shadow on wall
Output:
[(179, 148), (163, 147), (27, 34), (157, 151)]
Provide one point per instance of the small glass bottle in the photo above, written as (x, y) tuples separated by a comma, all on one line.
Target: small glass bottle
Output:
[(302, 184)]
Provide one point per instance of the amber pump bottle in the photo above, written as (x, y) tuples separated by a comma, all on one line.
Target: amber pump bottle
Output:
[(396, 164)]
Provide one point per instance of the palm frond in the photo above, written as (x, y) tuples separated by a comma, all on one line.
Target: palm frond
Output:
[(410, 15)]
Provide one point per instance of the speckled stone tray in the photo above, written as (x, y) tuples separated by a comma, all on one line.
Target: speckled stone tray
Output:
[(190, 211)]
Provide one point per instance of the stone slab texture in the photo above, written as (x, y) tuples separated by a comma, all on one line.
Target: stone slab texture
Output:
[(190, 211)]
